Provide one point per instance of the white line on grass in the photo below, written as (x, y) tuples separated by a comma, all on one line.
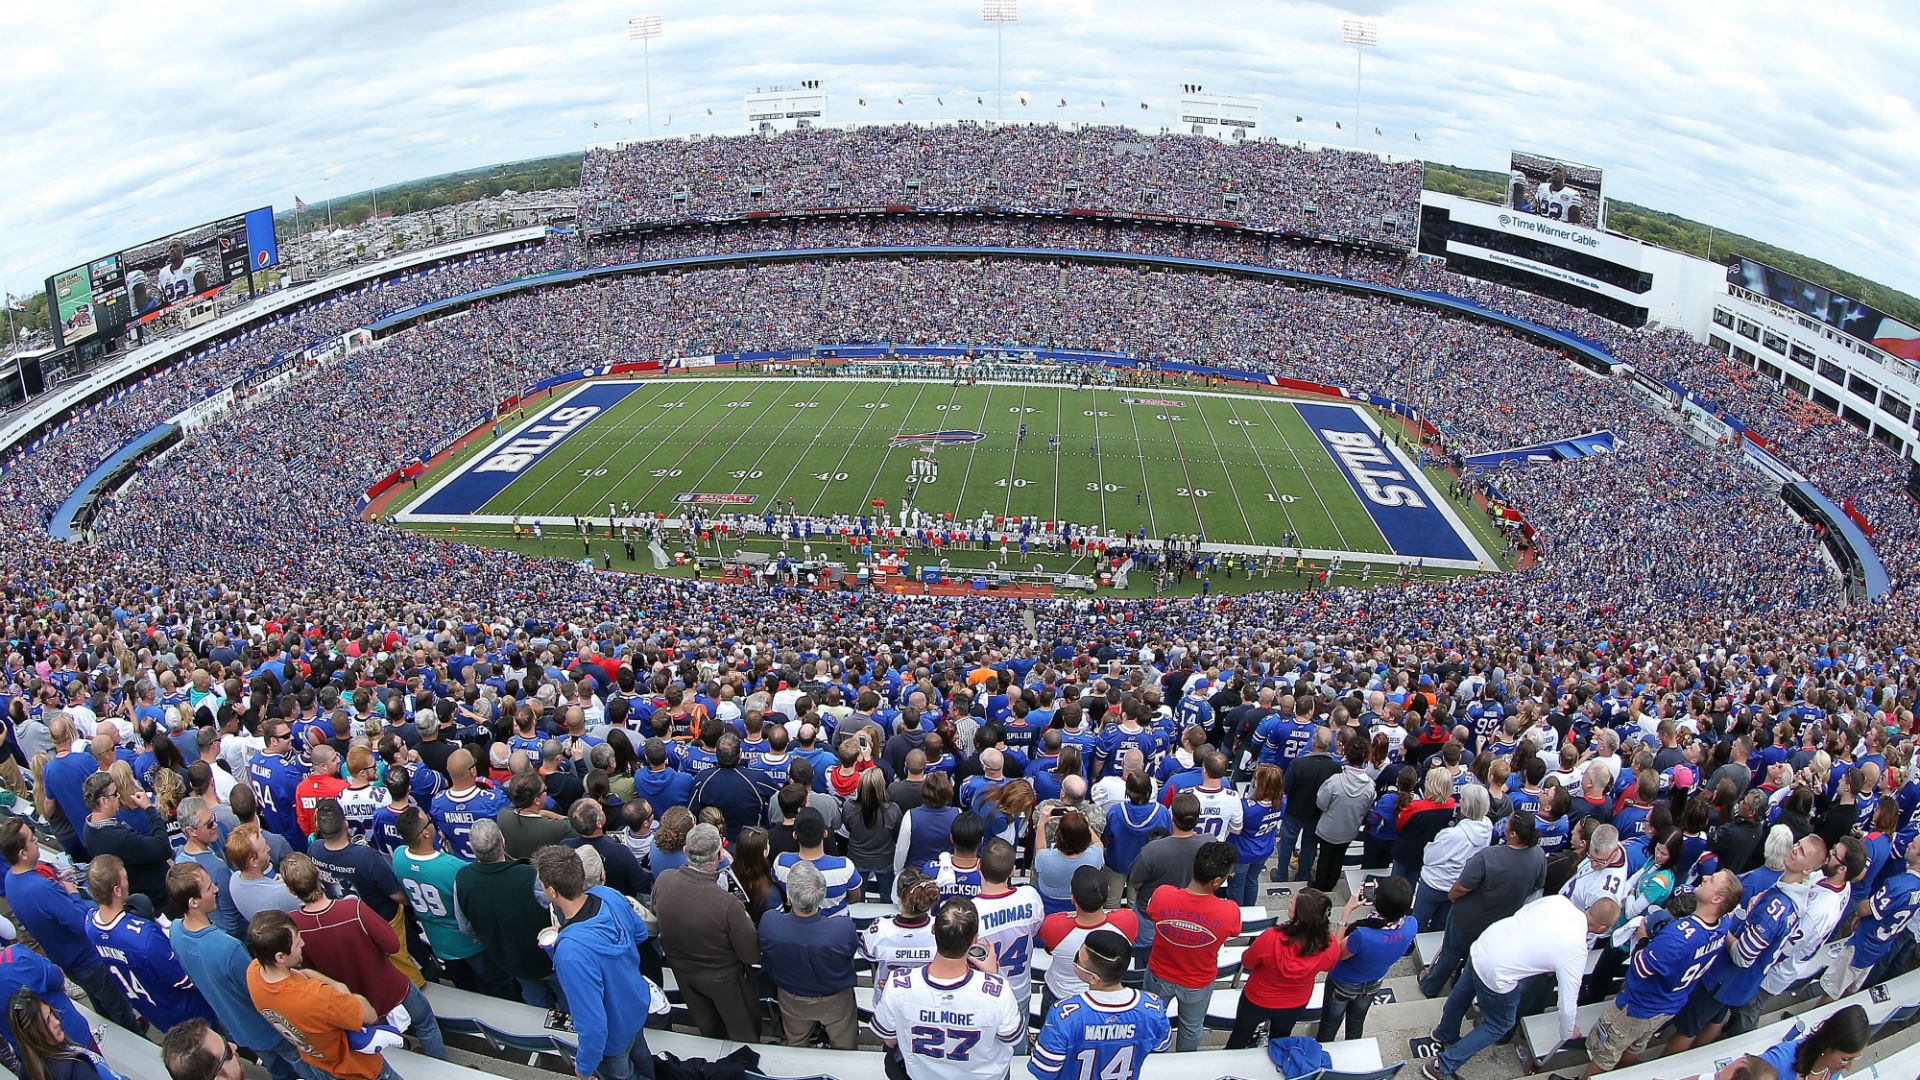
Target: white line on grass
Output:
[(847, 453), (587, 446), (751, 429), (1226, 468), (1146, 488), (1272, 488), (906, 418), (800, 455)]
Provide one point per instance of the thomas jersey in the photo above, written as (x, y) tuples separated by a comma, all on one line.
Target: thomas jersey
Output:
[(892, 945), (1752, 943), (274, 779), (1007, 925), (962, 1031), (141, 959), (1086, 1038), (455, 813)]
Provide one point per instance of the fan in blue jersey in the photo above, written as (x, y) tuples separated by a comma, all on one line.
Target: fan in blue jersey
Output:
[(383, 832), (1106, 1031), (1117, 739), (1662, 974), (274, 773), (1283, 738), (464, 802), (1733, 982), (1884, 916), (1194, 710), (138, 952)]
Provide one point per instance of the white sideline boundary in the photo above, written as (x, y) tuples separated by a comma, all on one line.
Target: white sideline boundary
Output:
[(1486, 563)]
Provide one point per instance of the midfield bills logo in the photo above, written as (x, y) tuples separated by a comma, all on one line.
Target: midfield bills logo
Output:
[(709, 498), (1164, 403), (955, 436)]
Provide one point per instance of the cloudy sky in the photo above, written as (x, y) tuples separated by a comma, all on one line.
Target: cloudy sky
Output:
[(127, 121)]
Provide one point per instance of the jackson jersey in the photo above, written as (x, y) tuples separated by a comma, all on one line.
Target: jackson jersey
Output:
[(954, 880), (274, 778), (1008, 924), (178, 284), (359, 804), (1282, 739), (1101, 1035), (455, 812), (895, 944), (951, 1031), (141, 959), (1220, 812)]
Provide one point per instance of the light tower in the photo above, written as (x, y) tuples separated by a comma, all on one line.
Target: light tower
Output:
[(643, 29), (999, 13), (1362, 34)]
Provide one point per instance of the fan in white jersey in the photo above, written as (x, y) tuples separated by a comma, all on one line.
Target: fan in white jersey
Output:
[(1009, 919), (1221, 812), (182, 277), (905, 941), (1555, 199), (953, 1019)]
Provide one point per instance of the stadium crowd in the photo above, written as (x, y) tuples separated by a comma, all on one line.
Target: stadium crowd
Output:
[(329, 727)]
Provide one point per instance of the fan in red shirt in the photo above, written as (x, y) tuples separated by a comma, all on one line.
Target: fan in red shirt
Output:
[(323, 782), (1189, 926), (1283, 963), (1063, 932)]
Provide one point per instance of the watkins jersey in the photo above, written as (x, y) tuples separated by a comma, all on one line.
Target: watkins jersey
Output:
[(1115, 741), (178, 284), (274, 779), (428, 882), (455, 812), (1663, 971), (359, 805), (1008, 924), (1220, 812), (951, 1031), (896, 944), (1889, 910), (1194, 712), (1752, 943), (141, 958), (1101, 1035), (953, 880)]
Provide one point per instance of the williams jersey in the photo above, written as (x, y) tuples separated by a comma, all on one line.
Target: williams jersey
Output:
[(1101, 1035), (454, 814), (1662, 973), (896, 944), (951, 1031), (274, 778), (1008, 924), (141, 959)]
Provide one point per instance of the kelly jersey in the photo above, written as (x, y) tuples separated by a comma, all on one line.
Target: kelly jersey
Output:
[(178, 284), (951, 1031), (428, 882), (1752, 943), (1101, 1035), (1221, 812), (455, 812), (274, 778), (1889, 911), (896, 944), (953, 880), (1662, 973), (141, 959), (383, 832), (1008, 924)]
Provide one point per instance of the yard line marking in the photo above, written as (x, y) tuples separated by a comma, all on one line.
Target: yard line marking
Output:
[(640, 458), (1013, 466), (695, 443), (1226, 468), (973, 450), (612, 431), (700, 484), (1059, 410), (1199, 519), (1272, 487), (1099, 467), (1146, 488), (873, 485), (848, 452), (801, 455)]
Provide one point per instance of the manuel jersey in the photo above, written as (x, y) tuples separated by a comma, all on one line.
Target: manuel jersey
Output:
[(455, 812), (141, 959), (1101, 1035), (951, 1031), (1008, 923)]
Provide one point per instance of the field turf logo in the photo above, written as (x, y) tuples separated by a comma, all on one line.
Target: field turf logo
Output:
[(1164, 403), (709, 498), (955, 436)]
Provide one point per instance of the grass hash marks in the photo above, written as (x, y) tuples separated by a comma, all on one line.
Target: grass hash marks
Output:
[(1246, 467)]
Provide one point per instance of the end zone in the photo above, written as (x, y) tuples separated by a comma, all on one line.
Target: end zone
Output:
[(1416, 522)]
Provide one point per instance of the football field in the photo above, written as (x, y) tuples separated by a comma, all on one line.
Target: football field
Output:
[(1237, 468)]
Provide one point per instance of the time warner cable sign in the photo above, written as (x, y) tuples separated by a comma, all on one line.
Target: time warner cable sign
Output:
[(1545, 227), (488, 475)]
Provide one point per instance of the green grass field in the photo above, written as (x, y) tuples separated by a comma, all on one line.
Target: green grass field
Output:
[(1239, 469)]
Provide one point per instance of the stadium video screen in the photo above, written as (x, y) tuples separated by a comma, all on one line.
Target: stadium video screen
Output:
[(163, 273), (1553, 188), (88, 300), (1843, 313)]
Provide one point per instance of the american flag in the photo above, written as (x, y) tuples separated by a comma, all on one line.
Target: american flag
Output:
[(299, 203)]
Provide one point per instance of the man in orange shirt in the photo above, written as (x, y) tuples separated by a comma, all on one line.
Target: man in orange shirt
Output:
[(323, 782), (316, 1014)]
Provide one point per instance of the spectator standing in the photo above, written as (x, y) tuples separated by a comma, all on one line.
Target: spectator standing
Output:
[(1168, 860), (926, 830), (52, 910), (217, 964), (144, 850), (809, 956), (1190, 925), (1010, 918), (1281, 966), (1494, 883), (253, 885), (1114, 1027), (1062, 934), (527, 824), (200, 832), (1369, 948), (709, 942), (137, 951), (842, 880), (313, 1012), (1070, 847), (1260, 820), (624, 874), (1662, 974), (904, 940), (740, 793), (596, 958), (1306, 774), (46, 1048), (1130, 825), (498, 897), (192, 1050), (1343, 801), (429, 877), (987, 1023), (1447, 855), (1419, 822)]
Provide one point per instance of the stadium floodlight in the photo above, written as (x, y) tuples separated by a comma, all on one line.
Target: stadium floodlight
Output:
[(999, 13), (1362, 34), (643, 29)]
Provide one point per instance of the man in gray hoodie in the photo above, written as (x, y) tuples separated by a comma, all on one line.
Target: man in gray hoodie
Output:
[(1343, 801)]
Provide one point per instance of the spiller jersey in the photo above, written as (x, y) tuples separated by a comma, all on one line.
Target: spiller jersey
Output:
[(896, 944)]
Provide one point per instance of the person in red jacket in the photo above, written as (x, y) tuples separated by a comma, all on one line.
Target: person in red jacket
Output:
[(1282, 965), (323, 782), (1190, 924)]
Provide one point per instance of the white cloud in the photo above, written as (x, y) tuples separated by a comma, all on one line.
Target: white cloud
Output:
[(1769, 117)]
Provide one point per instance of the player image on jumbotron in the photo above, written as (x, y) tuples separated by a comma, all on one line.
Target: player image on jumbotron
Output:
[(182, 277), (145, 297), (1550, 188), (1556, 200)]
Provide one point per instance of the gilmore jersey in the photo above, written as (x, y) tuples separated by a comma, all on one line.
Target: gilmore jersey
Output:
[(455, 812), (428, 882), (895, 944), (1889, 910), (953, 880), (274, 778), (1101, 1035), (141, 959), (1752, 943), (1221, 812), (1008, 924), (951, 1031)]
